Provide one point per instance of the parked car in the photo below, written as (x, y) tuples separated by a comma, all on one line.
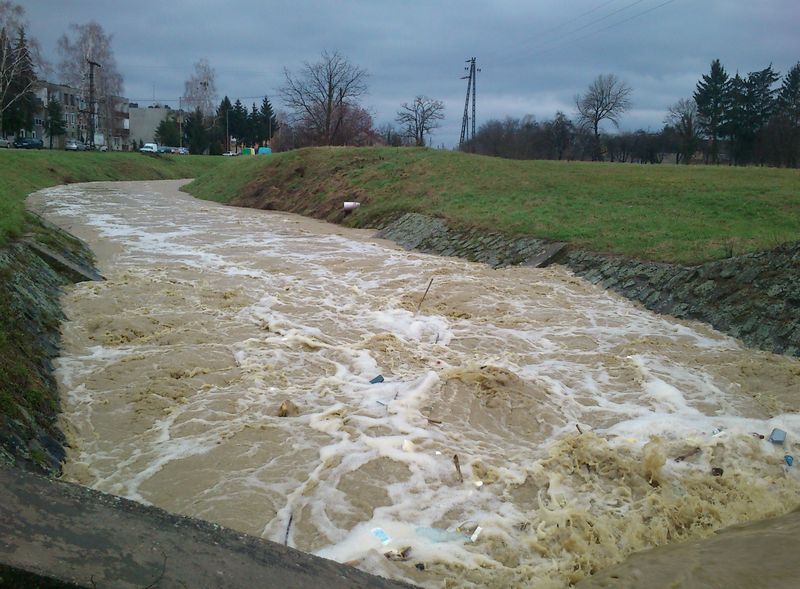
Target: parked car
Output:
[(28, 143), (164, 149), (230, 154), (149, 148), (5, 142), (74, 145), (183, 151)]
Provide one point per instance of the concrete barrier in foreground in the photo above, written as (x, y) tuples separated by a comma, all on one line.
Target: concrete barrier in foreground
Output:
[(57, 534)]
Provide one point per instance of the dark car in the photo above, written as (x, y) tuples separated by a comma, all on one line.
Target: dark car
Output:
[(28, 143)]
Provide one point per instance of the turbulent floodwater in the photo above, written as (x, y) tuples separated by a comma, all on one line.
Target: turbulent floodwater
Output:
[(225, 371)]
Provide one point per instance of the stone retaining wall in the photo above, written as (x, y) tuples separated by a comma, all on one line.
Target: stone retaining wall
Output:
[(430, 235), (33, 272), (755, 297)]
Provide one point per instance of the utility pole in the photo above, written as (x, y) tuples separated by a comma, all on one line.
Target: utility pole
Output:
[(180, 122), (92, 65), (472, 82), (474, 85)]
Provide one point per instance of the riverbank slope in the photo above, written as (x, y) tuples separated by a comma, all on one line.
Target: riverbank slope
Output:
[(715, 244), (31, 281)]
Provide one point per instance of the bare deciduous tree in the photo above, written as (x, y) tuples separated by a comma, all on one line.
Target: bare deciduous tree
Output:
[(682, 116), (322, 95), (420, 117), (606, 99), (200, 90), (91, 44)]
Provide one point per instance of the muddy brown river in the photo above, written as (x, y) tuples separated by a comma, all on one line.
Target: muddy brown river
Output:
[(286, 378)]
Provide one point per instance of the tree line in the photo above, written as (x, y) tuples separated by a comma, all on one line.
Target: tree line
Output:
[(741, 120), (231, 124)]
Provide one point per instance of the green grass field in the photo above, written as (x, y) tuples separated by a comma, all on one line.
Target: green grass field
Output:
[(684, 214), (26, 171)]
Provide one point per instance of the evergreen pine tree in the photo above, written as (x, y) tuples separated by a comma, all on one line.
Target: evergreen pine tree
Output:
[(197, 137), (253, 122), (167, 133), (20, 100), (736, 118), (269, 124), (788, 100), (785, 123), (55, 120), (220, 139), (238, 122), (712, 96)]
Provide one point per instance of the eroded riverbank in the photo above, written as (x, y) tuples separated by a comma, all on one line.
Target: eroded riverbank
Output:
[(173, 371)]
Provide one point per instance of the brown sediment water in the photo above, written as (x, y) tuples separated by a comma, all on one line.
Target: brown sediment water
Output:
[(586, 428)]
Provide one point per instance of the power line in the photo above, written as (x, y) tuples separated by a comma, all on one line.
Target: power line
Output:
[(595, 32), (541, 40)]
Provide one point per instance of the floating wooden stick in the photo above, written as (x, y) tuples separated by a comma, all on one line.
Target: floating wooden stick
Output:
[(688, 455), (458, 468), (580, 431), (288, 527), (424, 295)]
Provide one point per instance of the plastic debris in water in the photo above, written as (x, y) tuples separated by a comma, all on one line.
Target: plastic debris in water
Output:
[(789, 459), (716, 471), (475, 534), (408, 446), (778, 436), (420, 566), (381, 535), (377, 379), (438, 535)]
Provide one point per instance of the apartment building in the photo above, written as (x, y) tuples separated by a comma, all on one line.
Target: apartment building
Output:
[(112, 123)]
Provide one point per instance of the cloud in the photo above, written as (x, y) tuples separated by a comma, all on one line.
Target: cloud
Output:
[(535, 56)]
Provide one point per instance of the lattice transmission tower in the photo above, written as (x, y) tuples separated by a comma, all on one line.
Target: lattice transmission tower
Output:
[(472, 80)]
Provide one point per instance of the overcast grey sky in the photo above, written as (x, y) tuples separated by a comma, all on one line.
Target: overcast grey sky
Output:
[(535, 55)]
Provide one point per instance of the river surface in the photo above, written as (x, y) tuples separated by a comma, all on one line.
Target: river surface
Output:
[(226, 369)]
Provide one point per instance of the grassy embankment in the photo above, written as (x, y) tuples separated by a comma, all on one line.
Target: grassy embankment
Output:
[(667, 213), (23, 395)]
